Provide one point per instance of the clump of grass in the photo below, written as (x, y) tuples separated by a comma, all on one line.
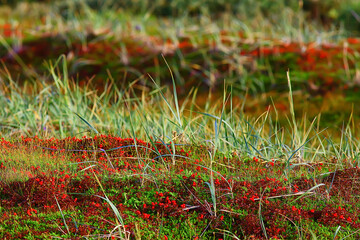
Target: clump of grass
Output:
[(146, 115)]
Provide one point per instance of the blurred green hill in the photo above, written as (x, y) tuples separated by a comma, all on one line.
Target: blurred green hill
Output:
[(326, 12)]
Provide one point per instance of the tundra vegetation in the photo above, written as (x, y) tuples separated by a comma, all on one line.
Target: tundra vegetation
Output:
[(179, 119)]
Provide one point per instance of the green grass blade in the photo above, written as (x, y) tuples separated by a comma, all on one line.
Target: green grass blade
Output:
[(87, 123)]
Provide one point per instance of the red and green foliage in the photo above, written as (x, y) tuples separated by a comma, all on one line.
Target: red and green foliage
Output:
[(167, 194)]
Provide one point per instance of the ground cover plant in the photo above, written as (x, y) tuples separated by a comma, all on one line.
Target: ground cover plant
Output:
[(179, 121)]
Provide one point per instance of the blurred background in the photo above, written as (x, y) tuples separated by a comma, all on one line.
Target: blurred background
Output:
[(245, 47)]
